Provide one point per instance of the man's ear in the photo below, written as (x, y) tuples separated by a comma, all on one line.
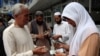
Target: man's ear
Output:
[(15, 16)]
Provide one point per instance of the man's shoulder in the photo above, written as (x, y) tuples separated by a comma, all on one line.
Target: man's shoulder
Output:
[(55, 24), (9, 28), (65, 23), (34, 20)]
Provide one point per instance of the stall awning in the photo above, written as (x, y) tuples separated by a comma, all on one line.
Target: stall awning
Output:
[(43, 4)]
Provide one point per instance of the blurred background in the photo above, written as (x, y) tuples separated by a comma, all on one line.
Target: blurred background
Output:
[(49, 7)]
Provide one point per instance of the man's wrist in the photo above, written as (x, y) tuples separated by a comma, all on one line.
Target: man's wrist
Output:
[(33, 51), (60, 36)]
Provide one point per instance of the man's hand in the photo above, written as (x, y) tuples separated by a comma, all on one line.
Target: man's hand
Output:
[(40, 36), (57, 45), (46, 34), (40, 50), (60, 54), (56, 37), (65, 46), (61, 45)]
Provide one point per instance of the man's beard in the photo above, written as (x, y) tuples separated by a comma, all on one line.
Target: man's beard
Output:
[(39, 22), (58, 22)]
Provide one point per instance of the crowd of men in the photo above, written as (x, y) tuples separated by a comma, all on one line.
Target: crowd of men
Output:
[(74, 33)]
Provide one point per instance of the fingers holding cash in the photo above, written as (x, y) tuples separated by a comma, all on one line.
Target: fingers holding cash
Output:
[(60, 54), (40, 50)]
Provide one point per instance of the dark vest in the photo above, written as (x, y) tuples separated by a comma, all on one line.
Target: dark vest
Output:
[(34, 29)]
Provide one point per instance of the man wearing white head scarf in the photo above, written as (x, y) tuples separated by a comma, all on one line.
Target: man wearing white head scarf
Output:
[(86, 38)]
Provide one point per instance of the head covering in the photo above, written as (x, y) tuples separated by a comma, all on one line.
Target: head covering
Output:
[(39, 13), (84, 25), (57, 13)]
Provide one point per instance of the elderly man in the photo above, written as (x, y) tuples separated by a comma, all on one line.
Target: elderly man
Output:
[(17, 39)]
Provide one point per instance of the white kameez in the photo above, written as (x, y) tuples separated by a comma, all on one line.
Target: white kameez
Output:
[(17, 41), (62, 29), (66, 30)]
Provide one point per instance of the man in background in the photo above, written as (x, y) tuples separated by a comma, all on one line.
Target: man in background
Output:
[(2, 27), (40, 31), (61, 33)]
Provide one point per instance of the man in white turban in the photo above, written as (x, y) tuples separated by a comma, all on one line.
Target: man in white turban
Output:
[(61, 33)]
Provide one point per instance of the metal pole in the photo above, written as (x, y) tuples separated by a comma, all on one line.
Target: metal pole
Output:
[(90, 7)]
